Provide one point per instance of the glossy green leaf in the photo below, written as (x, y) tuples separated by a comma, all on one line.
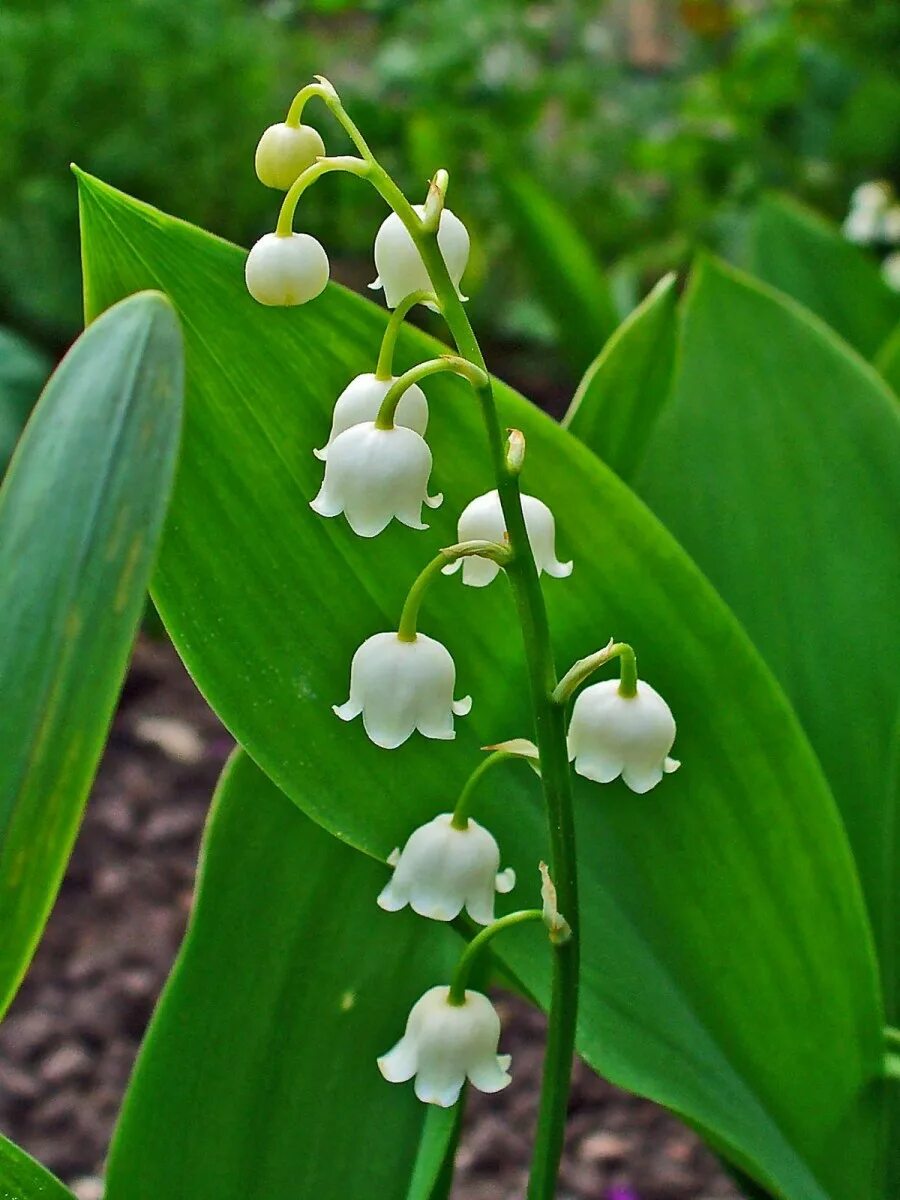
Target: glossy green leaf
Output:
[(257, 1078), (791, 445), (23, 371), (802, 254), (623, 390), (568, 280), (719, 910), (21, 1178), (888, 360), (80, 516)]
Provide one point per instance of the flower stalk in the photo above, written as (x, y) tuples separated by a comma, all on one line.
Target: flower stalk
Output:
[(406, 630), (470, 955)]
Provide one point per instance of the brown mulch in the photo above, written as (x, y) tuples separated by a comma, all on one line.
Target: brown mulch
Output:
[(69, 1041)]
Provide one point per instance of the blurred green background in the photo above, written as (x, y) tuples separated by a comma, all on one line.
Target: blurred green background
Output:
[(648, 127)]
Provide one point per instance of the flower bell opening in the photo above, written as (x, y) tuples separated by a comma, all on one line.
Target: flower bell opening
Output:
[(443, 869), (399, 687), (612, 735), (445, 1044)]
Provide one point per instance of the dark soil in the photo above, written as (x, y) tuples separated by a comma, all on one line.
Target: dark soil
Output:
[(70, 1039)]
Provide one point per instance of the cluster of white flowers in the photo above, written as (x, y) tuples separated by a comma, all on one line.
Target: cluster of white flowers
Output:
[(377, 469), (874, 219)]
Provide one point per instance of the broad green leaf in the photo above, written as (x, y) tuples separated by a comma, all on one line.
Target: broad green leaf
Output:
[(791, 445), (257, 1078), (888, 360), (568, 280), (625, 387), (23, 371), (81, 511), (719, 910), (802, 254), (21, 1178)]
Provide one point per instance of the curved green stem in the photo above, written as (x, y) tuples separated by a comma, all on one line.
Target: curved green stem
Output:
[(433, 366), (406, 630), (461, 811), (585, 667), (476, 946), (322, 166), (385, 367)]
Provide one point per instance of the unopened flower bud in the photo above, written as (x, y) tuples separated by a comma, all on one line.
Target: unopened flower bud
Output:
[(373, 475), (284, 152), (286, 270), (445, 1044), (482, 520), (400, 686), (361, 399), (443, 869), (399, 264), (612, 735)]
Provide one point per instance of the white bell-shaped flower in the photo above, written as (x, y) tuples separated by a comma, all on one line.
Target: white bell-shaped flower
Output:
[(361, 399), (284, 152), (442, 869), (445, 1044), (612, 735), (482, 520), (399, 264), (400, 686), (373, 475), (286, 270)]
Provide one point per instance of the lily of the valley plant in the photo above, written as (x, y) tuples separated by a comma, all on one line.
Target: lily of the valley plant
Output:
[(377, 469)]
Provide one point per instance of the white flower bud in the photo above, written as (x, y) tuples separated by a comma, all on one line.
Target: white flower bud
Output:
[(612, 735), (284, 152), (373, 475), (399, 264), (361, 399), (482, 520), (861, 226), (442, 869), (286, 270), (401, 686), (444, 1044), (873, 195)]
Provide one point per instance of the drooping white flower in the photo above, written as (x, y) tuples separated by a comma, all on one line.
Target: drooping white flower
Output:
[(284, 152), (482, 520), (399, 264), (444, 1044), (442, 869), (612, 735), (373, 475), (874, 194), (286, 270), (361, 399), (400, 686), (862, 225)]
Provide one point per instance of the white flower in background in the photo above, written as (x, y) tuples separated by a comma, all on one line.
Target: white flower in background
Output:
[(373, 475), (868, 205), (284, 152), (890, 271), (442, 869), (401, 686), (890, 225), (286, 270), (444, 1044), (612, 735), (874, 194), (361, 399), (483, 520), (399, 264)]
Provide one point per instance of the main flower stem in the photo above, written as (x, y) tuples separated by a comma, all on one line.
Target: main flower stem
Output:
[(549, 718)]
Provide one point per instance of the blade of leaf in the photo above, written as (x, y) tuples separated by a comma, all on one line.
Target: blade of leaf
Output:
[(23, 371), (888, 360), (21, 1178), (567, 277), (625, 387), (81, 511), (794, 249), (288, 986), (718, 911)]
